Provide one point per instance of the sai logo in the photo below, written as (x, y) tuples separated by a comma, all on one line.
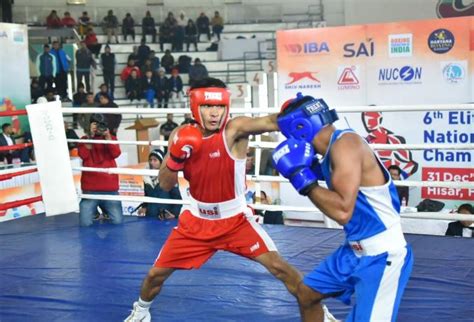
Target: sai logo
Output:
[(307, 48), (400, 45), (348, 77), (441, 41), (453, 72), (404, 75), (366, 49)]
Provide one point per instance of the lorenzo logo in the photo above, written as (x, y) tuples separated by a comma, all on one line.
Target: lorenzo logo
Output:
[(307, 48), (441, 41), (348, 78), (404, 75), (212, 96), (366, 49), (311, 80)]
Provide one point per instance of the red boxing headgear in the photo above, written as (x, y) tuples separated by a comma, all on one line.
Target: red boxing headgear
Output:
[(209, 96)]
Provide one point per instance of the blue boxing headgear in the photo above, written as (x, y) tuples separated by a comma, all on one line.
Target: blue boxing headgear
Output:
[(304, 116)]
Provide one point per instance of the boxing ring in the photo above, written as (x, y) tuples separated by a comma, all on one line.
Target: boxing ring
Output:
[(52, 269)]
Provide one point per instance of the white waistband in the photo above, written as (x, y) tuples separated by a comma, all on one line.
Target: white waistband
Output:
[(389, 240), (219, 210)]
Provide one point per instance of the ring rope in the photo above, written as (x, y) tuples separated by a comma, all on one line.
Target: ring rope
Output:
[(15, 146), (8, 176), (18, 203), (18, 169), (12, 113)]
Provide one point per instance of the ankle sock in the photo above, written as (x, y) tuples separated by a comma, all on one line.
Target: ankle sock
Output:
[(144, 304)]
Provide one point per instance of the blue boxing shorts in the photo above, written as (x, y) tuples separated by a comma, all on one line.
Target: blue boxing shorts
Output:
[(377, 281)]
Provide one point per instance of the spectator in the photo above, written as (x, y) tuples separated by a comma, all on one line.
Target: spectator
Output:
[(179, 32), (68, 21), (148, 87), (217, 25), (271, 217), (49, 96), (80, 96), (53, 21), (155, 61), (7, 12), (134, 55), (62, 70), (148, 26), (7, 138), (143, 52), (84, 119), (165, 35), (191, 35), (70, 134), (46, 68), (97, 183), (197, 72), (168, 127), (202, 23), (152, 189), (112, 120), (92, 43), (133, 87), (250, 162), (35, 90), (84, 63), (85, 24), (175, 84), (146, 67), (462, 228), (162, 94), (128, 70), (110, 23), (167, 61), (103, 90), (184, 63), (188, 119), (402, 191), (108, 63), (128, 27)]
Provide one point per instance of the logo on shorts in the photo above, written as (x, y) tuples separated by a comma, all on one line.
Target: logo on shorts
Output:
[(255, 247), (212, 96), (209, 212)]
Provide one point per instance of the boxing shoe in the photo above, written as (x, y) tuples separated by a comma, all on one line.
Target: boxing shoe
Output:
[(138, 314)]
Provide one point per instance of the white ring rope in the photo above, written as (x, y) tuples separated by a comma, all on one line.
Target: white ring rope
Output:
[(18, 169), (272, 145), (269, 110), (417, 215)]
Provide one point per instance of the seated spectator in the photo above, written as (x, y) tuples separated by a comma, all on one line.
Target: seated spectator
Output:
[(35, 90), (146, 67), (166, 34), (92, 43), (134, 55), (7, 138), (202, 23), (84, 24), (53, 21), (184, 63), (148, 26), (191, 35), (112, 120), (403, 192), (162, 94), (188, 119), (84, 119), (149, 87), (133, 87), (142, 53), (175, 85), (155, 61), (167, 61), (462, 228), (272, 217), (68, 21), (197, 72), (128, 70), (98, 183), (110, 24), (128, 27), (217, 23), (79, 97), (168, 127), (152, 189), (103, 90)]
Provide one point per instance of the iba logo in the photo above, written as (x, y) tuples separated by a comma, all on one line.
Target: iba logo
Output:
[(303, 80), (348, 78), (307, 48)]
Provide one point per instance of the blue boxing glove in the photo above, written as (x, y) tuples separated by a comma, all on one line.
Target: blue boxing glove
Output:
[(293, 159), (317, 170)]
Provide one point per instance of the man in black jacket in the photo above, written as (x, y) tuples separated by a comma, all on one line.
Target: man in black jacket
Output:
[(108, 62), (202, 23), (148, 26), (112, 120), (462, 228)]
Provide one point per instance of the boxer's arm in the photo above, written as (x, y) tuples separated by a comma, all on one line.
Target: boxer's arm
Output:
[(244, 126), (338, 203)]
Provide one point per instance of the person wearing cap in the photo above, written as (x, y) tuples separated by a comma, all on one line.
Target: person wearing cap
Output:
[(152, 189), (108, 63)]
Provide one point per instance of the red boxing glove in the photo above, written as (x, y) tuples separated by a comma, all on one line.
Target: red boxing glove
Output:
[(186, 140)]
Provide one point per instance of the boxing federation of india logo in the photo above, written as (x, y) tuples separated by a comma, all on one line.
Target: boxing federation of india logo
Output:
[(303, 80), (441, 41), (453, 73), (400, 45)]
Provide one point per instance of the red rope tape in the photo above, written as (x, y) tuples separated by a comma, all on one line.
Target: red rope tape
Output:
[(18, 203), (12, 113), (15, 146), (8, 176)]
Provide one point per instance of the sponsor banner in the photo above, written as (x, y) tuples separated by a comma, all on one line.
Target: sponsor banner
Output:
[(400, 45)]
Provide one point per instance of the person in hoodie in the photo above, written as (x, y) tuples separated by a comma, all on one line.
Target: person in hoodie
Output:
[(98, 183), (152, 189)]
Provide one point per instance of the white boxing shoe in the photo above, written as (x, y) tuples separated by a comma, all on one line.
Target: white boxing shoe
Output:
[(328, 317), (138, 314)]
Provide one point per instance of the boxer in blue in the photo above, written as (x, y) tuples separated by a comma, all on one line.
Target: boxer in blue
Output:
[(375, 261)]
